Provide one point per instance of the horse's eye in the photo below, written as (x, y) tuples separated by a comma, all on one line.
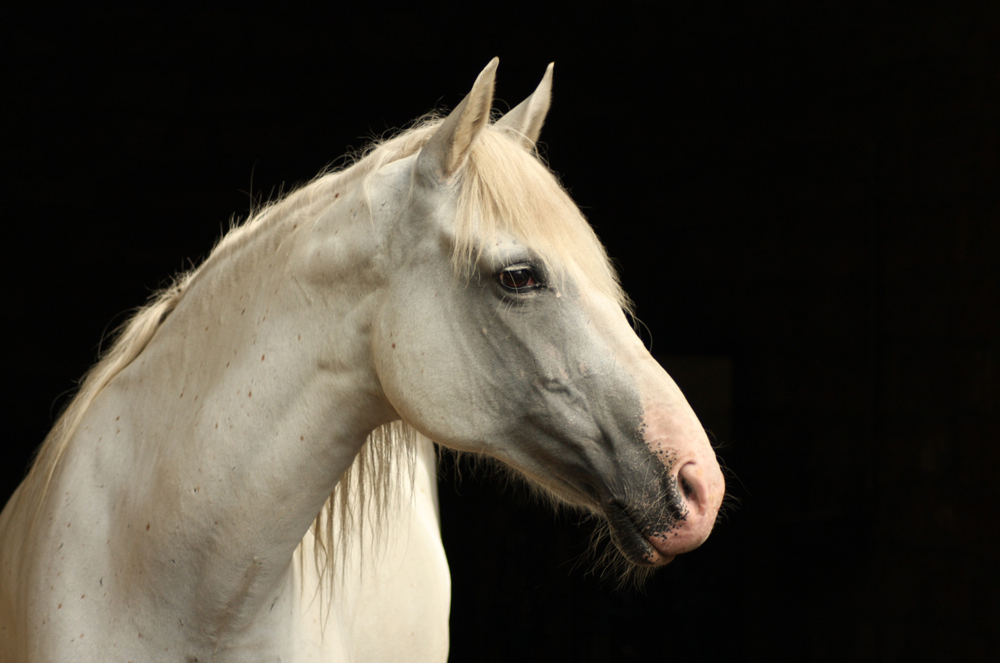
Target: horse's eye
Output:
[(518, 278)]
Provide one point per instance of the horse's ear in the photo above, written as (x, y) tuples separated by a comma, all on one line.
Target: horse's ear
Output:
[(448, 148), (525, 120)]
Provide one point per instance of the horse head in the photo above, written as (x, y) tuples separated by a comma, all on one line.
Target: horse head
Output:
[(500, 329)]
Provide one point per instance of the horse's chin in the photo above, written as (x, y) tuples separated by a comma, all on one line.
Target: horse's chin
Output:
[(630, 541)]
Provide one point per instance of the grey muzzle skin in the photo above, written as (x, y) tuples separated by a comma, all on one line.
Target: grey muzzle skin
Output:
[(606, 467)]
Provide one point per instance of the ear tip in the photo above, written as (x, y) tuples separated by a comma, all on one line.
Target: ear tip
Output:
[(547, 78), (489, 72)]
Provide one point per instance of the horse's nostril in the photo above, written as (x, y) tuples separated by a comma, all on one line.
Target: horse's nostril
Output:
[(692, 485), (697, 494), (686, 487)]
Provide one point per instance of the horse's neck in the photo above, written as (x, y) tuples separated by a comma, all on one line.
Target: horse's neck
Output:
[(222, 440)]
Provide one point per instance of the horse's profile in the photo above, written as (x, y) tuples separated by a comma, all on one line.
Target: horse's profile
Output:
[(247, 474)]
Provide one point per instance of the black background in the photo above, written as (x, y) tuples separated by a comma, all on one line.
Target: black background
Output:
[(803, 199)]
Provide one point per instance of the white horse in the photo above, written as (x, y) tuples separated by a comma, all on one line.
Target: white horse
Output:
[(239, 477)]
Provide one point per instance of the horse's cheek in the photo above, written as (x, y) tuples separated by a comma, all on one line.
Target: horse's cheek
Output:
[(407, 339)]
